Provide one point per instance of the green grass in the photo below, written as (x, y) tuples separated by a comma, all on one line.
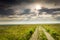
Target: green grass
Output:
[(24, 32), (16, 32), (53, 29)]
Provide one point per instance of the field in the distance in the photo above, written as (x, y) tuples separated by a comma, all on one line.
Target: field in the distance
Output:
[(30, 32)]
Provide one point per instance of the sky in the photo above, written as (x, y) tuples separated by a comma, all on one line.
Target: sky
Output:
[(11, 7)]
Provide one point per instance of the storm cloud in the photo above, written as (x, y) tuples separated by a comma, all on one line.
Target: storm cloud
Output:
[(8, 7)]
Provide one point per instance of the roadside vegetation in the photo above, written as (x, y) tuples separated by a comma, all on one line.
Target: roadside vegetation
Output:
[(53, 29)]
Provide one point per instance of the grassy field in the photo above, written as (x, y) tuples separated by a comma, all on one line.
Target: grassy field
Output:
[(53, 29), (24, 32), (16, 32)]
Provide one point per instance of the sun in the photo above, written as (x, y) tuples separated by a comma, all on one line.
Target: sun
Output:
[(37, 6)]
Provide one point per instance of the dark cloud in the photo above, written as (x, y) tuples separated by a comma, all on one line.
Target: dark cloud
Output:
[(53, 1), (8, 12), (8, 3), (13, 1), (20, 1), (5, 4)]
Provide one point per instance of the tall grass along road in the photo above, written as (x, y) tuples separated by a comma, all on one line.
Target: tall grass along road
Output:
[(35, 35), (49, 37)]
